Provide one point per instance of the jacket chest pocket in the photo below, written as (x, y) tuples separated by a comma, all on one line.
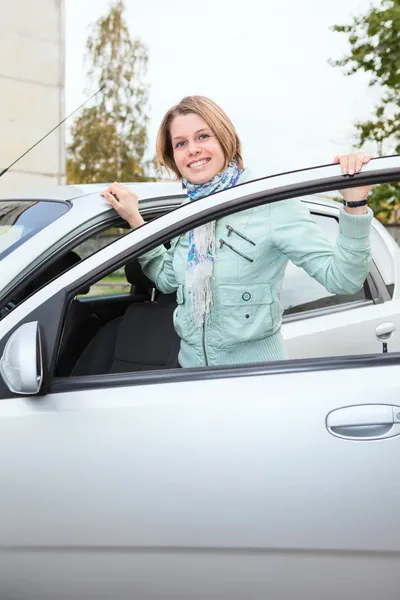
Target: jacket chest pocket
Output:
[(233, 241), (246, 255), (245, 312)]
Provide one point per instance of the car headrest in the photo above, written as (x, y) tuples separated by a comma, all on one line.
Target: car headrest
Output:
[(166, 298), (137, 278)]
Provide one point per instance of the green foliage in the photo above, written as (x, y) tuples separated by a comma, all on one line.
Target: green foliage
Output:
[(109, 139), (385, 202), (375, 49)]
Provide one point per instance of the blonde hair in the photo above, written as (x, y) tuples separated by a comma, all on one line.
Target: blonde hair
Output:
[(217, 120)]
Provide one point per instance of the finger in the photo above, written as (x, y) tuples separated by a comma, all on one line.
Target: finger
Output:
[(360, 161), (121, 191), (352, 164), (365, 158), (344, 160), (111, 200), (106, 195), (104, 192), (113, 189), (121, 187), (336, 160), (109, 193), (124, 193)]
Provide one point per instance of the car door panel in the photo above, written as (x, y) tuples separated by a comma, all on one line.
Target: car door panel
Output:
[(350, 331), (226, 480), (186, 574)]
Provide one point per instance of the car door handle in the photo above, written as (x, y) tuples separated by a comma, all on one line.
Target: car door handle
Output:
[(364, 421)]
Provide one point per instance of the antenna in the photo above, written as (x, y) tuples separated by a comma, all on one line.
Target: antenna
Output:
[(54, 128)]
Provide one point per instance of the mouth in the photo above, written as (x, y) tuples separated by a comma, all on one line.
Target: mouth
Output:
[(198, 164)]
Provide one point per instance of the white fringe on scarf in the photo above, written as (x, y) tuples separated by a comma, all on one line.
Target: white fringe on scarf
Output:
[(199, 278)]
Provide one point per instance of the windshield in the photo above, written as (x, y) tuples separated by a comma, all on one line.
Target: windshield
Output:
[(20, 220)]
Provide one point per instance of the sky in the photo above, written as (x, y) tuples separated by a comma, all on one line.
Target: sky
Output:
[(264, 61)]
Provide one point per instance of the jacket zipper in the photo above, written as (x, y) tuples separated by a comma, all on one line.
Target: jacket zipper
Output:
[(232, 230), (204, 343), (223, 242)]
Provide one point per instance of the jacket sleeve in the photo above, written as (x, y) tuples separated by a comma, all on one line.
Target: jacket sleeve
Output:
[(157, 265), (341, 268)]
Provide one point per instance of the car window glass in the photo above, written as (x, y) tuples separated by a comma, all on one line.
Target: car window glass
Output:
[(99, 240), (300, 291), (115, 283), (20, 220), (383, 257)]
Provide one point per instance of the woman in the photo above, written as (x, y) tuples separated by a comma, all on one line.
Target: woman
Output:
[(228, 274)]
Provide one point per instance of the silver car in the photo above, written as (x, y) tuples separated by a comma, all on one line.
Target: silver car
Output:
[(122, 476)]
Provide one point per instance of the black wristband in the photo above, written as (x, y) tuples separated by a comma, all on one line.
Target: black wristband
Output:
[(355, 204)]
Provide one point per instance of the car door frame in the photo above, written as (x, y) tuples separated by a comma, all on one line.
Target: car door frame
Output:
[(49, 304)]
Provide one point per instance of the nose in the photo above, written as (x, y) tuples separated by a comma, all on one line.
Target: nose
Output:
[(193, 148)]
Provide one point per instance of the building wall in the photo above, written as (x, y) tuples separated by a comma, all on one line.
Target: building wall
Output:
[(31, 93)]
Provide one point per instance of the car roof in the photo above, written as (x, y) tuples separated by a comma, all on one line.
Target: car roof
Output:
[(63, 193), (146, 191)]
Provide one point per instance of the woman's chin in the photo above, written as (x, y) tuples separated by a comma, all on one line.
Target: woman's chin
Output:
[(200, 177)]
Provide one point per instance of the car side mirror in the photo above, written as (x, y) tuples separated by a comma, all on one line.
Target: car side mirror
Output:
[(21, 365)]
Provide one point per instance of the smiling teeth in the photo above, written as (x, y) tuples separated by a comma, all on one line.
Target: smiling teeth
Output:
[(199, 163)]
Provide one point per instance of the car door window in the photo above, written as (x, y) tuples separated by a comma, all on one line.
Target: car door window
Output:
[(114, 284), (100, 240), (301, 292), (149, 315)]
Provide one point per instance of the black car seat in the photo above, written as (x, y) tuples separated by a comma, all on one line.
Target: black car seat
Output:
[(143, 339)]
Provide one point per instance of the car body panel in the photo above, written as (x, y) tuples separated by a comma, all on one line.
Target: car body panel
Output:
[(225, 469)]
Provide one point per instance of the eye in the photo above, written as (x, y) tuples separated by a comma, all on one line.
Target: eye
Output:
[(204, 136), (179, 144)]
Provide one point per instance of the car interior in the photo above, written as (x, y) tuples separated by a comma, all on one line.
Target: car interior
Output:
[(100, 332)]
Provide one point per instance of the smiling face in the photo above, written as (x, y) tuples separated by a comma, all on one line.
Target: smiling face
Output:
[(197, 152)]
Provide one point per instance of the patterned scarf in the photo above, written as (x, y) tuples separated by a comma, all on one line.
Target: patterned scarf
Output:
[(201, 256)]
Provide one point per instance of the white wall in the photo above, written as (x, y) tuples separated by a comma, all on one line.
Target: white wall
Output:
[(31, 93)]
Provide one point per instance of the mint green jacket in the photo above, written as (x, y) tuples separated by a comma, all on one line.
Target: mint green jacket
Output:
[(246, 314)]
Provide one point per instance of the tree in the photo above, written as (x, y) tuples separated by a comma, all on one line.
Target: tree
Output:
[(109, 139), (375, 49)]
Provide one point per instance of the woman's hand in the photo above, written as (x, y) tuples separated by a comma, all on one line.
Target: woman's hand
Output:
[(351, 164), (125, 202)]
